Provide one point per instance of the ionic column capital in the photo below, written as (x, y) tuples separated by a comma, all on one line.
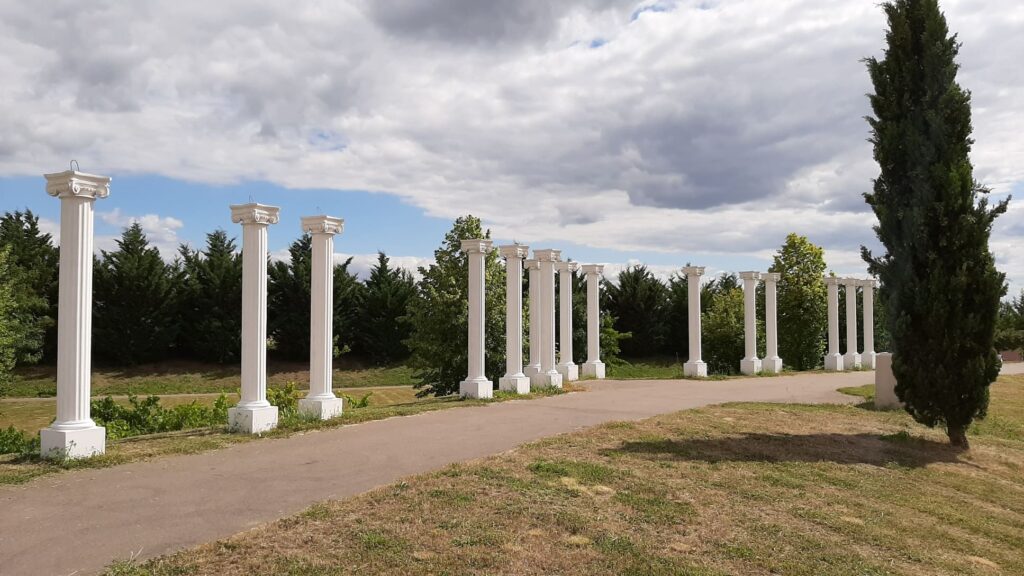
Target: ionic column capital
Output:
[(75, 184), (567, 266), (477, 246), (850, 282), (514, 251), (322, 225), (832, 281), (771, 276), (693, 271), (751, 275), (869, 283), (588, 269), (531, 264), (253, 213), (547, 255)]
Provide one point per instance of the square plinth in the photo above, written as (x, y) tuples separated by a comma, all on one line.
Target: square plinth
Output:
[(476, 388), (546, 380), (72, 444), (867, 360), (851, 360), (696, 369), (519, 384), (252, 420), (322, 408), (594, 370), (834, 363), (771, 365), (569, 372), (750, 366)]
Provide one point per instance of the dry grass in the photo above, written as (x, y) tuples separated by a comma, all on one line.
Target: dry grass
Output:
[(735, 489)]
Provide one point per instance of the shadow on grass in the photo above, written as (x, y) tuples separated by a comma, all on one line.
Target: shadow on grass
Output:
[(878, 450)]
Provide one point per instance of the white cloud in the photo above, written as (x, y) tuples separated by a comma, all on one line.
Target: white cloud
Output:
[(708, 128), (161, 231)]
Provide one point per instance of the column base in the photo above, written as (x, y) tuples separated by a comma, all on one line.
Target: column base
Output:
[(851, 360), (570, 372), (867, 360), (695, 369), (834, 363), (518, 383), (546, 380), (531, 370), (252, 420), (476, 388), (772, 365), (750, 366), (322, 408), (594, 369), (72, 444)]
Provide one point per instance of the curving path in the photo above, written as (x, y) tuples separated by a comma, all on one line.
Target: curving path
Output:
[(78, 522)]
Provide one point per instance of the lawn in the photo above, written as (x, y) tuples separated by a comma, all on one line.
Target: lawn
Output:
[(734, 489), (198, 378)]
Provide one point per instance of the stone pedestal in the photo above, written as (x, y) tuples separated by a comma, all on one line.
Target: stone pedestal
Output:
[(885, 384), (74, 434), (750, 364), (566, 367), (514, 379), (548, 375), (254, 414), (476, 384), (833, 359), (771, 363), (867, 358), (533, 269), (851, 360), (694, 366), (321, 401), (593, 367)]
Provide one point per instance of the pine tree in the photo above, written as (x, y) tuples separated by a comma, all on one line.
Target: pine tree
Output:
[(135, 316), (211, 300), (439, 314), (802, 305), (638, 301), (678, 342), (938, 278), (33, 263), (383, 324)]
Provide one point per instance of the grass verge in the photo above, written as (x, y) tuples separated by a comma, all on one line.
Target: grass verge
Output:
[(734, 489)]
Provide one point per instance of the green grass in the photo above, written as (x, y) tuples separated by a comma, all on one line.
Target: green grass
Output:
[(734, 489)]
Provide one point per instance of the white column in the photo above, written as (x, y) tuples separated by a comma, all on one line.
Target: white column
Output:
[(74, 434), (254, 414), (566, 367), (851, 360), (321, 401), (771, 363), (868, 356), (750, 364), (833, 359), (694, 366), (548, 375), (533, 368), (476, 384), (514, 379), (593, 367)]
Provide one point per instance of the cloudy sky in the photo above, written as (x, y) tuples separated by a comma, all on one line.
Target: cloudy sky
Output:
[(660, 132)]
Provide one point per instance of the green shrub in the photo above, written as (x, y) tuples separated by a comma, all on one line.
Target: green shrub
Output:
[(286, 399), (361, 403), (147, 416), (14, 441)]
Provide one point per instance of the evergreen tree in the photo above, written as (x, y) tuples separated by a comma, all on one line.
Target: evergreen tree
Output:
[(638, 301), (802, 304), (383, 325), (439, 314), (938, 278), (135, 306), (211, 300), (33, 263), (678, 317), (289, 300)]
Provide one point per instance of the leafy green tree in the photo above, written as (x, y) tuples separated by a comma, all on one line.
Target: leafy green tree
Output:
[(135, 302), (802, 305), (439, 314), (383, 324), (11, 328), (211, 300), (1010, 326), (722, 326), (638, 301), (288, 303), (939, 282), (33, 267)]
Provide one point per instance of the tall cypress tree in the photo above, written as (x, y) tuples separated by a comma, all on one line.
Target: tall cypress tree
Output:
[(383, 323), (938, 278), (211, 302)]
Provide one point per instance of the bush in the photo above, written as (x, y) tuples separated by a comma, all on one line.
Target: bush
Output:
[(286, 399), (147, 416), (14, 441), (360, 403)]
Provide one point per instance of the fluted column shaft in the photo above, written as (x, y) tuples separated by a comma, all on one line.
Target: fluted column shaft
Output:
[(476, 384), (851, 359), (593, 367), (514, 379), (566, 367), (533, 268), (548, 375), (772, 362), (833, 359), (321, 401), (750, 364), (694, 365), (868, 295)]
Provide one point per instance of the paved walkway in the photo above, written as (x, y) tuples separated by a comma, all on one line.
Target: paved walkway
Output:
[(78, 522)]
